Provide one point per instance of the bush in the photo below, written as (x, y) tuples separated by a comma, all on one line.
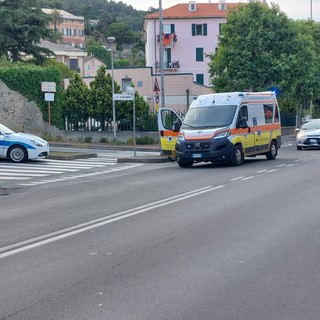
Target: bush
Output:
[(88, 139), (103, 140), (145, 140)]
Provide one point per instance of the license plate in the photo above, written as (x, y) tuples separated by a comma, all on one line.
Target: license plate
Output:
[(313, 141), (197, 155)]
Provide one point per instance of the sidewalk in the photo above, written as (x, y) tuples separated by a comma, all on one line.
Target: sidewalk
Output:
[(131, 159)]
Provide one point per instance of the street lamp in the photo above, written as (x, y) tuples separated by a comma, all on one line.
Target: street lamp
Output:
[(161, 58), (111, 41)]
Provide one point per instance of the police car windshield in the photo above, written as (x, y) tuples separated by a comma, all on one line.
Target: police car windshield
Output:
[(209, 117)]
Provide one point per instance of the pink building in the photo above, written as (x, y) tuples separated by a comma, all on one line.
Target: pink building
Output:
[(190, 31)]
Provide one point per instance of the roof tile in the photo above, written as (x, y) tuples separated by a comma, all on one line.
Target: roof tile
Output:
[(203, 10)]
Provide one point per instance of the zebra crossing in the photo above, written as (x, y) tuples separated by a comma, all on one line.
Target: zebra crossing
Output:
[(45, 171)]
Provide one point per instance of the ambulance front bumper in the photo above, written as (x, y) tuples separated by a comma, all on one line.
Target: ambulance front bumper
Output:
[(219, 150)]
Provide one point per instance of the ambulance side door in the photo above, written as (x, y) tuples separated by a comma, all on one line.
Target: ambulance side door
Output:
[(168, 124), (255, 122), (247, 136)]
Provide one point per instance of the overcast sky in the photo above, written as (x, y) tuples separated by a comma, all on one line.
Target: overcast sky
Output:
[(295, 9)]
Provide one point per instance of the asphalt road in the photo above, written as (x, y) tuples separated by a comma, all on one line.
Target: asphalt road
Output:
[(161, 242)]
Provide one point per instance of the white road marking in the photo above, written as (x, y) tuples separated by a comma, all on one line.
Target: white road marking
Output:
[(68, 232)]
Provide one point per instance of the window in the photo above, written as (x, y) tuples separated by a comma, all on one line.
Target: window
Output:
[(168, 117), (88, 67), (276, 114), (126, 82), (140, 84), (243, 113), (73, 64), (168, 28), (200, 78), (199, 29), (268, 112), (199, 54)]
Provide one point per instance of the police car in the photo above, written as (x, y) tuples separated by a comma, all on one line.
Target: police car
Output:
[(20, 147)]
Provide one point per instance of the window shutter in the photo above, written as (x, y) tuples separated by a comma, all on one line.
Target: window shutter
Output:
[(172, 28), (193, 29), (199, 54), (168, 57), (205, 32), (200, 78)]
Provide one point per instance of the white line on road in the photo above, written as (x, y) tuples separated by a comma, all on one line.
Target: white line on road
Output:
[(68, 232)]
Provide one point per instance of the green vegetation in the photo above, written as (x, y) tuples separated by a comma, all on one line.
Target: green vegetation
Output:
[(260, 49), (23, 25), (26, 79)]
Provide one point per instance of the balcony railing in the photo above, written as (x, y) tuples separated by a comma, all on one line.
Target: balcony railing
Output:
[(172, 65)]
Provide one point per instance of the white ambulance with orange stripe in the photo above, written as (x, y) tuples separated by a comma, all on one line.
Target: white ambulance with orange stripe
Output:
[(223, 127)]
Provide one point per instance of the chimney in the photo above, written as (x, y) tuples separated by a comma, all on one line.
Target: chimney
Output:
[(222, 5), (192, 6)]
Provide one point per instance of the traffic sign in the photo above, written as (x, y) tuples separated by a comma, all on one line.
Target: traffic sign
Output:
[(121, 96), (156, 87), (48, 86), (156, 97)]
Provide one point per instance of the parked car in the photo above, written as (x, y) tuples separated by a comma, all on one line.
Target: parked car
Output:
[(308, 136), (19, 147)]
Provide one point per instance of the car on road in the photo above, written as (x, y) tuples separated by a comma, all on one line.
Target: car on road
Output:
[(308, 136), (20, 147)]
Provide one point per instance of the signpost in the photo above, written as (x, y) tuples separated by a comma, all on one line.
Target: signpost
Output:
[(129, 96), (123, 97), (49, 88)]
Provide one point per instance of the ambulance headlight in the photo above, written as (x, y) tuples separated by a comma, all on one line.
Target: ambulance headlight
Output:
[(181, 137), (223, 134)]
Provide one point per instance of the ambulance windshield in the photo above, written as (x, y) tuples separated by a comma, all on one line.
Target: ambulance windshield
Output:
[(209, 117)]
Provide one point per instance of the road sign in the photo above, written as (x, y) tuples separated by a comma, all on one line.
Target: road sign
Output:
[(122, 96), (130, 90), (156, 97), (48, 86), (156, 87), (48, 96)]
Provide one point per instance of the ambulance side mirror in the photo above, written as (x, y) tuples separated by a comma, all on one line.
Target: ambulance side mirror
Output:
[(242, 123), (176, 126)]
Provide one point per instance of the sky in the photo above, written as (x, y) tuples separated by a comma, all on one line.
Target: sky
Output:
[(295, 9)]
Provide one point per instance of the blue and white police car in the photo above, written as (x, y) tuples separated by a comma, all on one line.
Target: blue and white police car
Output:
[(20, 147)]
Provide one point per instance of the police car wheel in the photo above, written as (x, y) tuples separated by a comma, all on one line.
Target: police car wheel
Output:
[(272, 154), (18, 154), (237, 156)]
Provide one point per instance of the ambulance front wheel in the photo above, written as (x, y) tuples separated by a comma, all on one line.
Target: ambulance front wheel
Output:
[(183, 164), (272, 154), (237, 156)]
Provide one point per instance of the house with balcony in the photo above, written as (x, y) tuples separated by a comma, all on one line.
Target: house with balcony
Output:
[(70, 26), (190, 31)]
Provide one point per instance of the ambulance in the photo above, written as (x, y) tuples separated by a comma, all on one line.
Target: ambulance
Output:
[(222, 127)]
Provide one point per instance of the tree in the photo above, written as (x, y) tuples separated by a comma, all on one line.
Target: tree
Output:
[(260, 48), (97, 49), (76, 103), (56, 19), (121, 32), (100, 97), (22, 26)]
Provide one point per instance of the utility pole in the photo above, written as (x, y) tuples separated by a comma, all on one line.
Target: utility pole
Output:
[(161, 54)]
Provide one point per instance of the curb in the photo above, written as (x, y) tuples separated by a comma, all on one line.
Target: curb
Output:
[(144, 159), (73, 157)]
